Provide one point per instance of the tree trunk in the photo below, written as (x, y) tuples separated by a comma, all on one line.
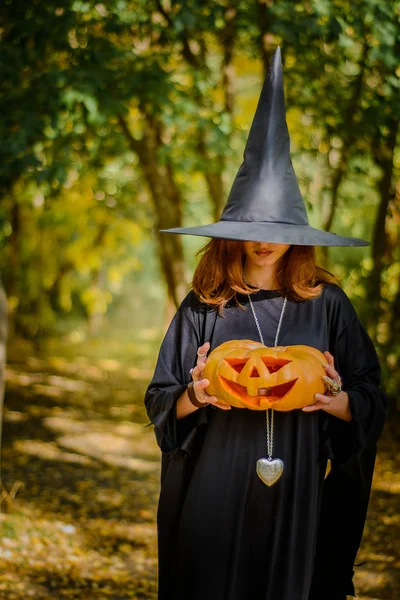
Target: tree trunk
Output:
[(167, 202), (95, 317), (394, 319), (348, 138), (384, 156), (266, 40), (3, 340), (214, 167), (213, 178), (13, 272)]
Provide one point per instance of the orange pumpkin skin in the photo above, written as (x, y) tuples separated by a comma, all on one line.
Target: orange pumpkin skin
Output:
[(239, 368)]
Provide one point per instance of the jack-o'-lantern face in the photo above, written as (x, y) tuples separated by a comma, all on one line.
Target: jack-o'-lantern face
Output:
[(289, 376)]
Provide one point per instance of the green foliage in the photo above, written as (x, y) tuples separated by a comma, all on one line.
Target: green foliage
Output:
[(96, 98)]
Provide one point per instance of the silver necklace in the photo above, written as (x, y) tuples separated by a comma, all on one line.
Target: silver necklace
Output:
[(269, 469)]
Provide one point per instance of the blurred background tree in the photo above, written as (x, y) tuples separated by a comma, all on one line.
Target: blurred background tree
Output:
[(124, 118)]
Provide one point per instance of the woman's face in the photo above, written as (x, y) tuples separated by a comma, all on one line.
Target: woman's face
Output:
[(264, 254)]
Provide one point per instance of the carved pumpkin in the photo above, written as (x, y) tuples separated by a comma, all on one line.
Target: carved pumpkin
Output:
[(239, 368)]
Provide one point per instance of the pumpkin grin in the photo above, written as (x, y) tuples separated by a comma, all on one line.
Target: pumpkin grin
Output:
[(276, 392), (290, 375)]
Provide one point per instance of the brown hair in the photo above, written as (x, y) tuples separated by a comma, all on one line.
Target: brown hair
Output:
[(218, 277)]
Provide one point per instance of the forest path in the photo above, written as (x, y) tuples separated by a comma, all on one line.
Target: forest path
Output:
[(85, 470)]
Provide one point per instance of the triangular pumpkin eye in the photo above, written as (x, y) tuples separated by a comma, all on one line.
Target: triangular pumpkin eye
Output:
[(274, 364), (237, 363)]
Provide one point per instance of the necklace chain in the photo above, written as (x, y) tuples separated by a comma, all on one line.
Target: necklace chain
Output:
[(278, 329), (269, 413), (269, 425)]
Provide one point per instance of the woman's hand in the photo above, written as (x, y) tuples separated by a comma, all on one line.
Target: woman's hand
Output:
[(184, 405), (199, 384), (338, 406)]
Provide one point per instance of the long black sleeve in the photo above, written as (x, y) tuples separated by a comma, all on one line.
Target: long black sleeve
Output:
[(172, 374), (357, 362)]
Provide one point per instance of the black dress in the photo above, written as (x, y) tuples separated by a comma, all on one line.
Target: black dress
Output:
[(223, 534)]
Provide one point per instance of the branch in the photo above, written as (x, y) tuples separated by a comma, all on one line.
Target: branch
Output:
[(164, 13), (394, 319), (265, 39), (380, 239), (228, 71), (348, 139), (167, 201), (135, 144), (187, 53), (213, 177), (379, 236)]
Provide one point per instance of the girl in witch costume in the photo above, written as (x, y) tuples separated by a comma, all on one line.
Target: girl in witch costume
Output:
[(223, 533)]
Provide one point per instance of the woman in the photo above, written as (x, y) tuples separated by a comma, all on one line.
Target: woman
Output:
[(223, 533)]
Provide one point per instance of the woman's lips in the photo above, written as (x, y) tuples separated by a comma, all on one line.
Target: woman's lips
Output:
[(263, 253)]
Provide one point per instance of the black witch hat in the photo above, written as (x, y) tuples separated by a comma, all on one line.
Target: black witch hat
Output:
[(265, 203)]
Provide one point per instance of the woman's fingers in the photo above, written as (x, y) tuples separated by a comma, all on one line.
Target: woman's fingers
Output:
[(199, 389), (200, 384), (221, 406), (197, 371), (201, 361), (331, 372), (330, 367), (202, 396), (330, 359), (338, 406), (202, 354), (321, 402), (200, 393)]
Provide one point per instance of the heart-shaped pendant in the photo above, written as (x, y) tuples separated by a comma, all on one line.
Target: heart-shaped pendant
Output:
[(269, 470)]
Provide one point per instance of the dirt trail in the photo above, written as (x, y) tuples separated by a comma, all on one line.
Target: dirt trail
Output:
[(82, 524)]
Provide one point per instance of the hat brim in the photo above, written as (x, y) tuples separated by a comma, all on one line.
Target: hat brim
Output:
[(277, 233)]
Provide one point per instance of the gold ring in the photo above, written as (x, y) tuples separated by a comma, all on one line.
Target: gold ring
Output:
[(201, 355), (334, 386)]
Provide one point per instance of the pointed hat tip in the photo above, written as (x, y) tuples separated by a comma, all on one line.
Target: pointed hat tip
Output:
[(277, 58)]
